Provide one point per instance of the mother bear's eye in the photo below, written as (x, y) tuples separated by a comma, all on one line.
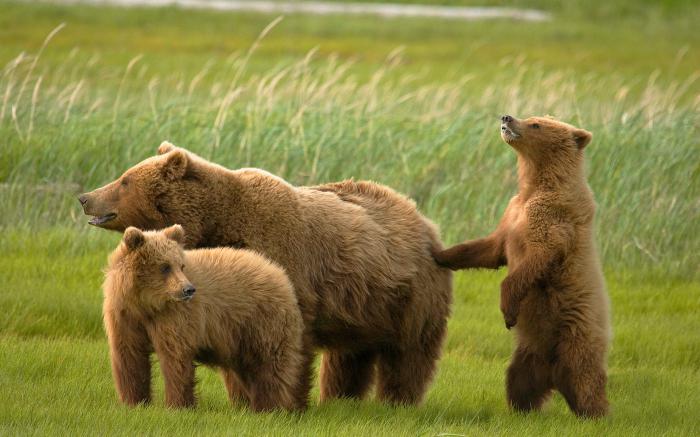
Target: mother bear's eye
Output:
[(125, 182), (165, 269), (535, 126)]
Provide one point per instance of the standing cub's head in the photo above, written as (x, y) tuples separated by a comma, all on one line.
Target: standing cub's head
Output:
[(541, 137), (146, 270)]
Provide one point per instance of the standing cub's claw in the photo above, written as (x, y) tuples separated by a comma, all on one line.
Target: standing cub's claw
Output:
[(510, 315)]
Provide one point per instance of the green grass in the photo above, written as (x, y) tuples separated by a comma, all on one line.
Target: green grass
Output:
[(55, 374), (321, 99)]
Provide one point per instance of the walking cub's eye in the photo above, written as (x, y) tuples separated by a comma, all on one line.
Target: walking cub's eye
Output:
[(165, 269), (183, 267), (535, 126)]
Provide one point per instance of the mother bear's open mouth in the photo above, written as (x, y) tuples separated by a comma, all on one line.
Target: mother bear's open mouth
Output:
[(102, 219)]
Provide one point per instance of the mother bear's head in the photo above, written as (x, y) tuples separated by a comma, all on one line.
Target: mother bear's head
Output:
[(156, 193)]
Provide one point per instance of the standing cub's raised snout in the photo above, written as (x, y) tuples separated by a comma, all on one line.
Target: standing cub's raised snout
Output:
[(508, 130), (554, 294), (535, 136)]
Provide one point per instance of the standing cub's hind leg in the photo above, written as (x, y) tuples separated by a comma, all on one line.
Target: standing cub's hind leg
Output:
[(528, 381), (580, 376)]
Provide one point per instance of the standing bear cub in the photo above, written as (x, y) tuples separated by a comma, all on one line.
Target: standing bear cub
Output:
[(554, 293), (229, 309)]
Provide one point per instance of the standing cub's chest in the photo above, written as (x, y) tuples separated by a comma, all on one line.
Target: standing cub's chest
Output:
[(515, 232)]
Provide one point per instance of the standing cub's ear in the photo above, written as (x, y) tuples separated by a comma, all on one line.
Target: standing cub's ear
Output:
[(175, 233), (582, 137), (133, 238), (175, 164), (165, 147)]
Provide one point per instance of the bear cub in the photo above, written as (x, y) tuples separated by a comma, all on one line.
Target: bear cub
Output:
[(554, 293), (229, 309)]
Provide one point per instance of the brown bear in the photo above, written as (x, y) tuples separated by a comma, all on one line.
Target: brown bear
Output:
[(229, 309), (554, 293), (358, 254)]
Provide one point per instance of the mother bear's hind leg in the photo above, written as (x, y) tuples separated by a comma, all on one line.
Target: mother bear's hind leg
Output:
[(403, 375)]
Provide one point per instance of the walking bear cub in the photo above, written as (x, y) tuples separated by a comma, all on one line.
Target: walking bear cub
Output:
[(229, 309), (554, 293)]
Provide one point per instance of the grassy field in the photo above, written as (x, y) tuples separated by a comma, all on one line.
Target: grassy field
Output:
[(410, 103)]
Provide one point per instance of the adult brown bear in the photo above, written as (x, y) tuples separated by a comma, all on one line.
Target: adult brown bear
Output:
[(358, 254)]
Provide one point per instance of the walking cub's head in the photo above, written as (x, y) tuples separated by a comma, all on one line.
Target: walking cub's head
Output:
[(147, 269), (540, 138)]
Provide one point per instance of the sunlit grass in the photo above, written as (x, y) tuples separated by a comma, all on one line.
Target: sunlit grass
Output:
[(56, 379)]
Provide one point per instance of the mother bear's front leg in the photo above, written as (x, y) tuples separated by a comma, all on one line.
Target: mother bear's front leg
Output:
[(346, 374), (234, 387)]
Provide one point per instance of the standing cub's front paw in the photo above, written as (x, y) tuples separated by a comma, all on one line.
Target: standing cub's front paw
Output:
[(442, 258), (510, 303)]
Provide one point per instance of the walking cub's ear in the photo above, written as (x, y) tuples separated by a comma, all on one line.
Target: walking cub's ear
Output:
[(582, 138), (165, 147), (175, 233), (133, 238)]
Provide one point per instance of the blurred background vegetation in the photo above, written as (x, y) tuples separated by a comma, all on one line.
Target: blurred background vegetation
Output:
[(412, 103)]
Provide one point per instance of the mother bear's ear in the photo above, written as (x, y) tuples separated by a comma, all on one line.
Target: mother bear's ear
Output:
[(165, 147), (175, 233), (175, 165)]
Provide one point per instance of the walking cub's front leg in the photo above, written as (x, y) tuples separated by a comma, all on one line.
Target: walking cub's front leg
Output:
[(178, 374), (130, 351)]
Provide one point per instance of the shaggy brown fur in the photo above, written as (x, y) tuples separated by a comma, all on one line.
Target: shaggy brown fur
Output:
[(358, 254), (243, 319), (554, 292)]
